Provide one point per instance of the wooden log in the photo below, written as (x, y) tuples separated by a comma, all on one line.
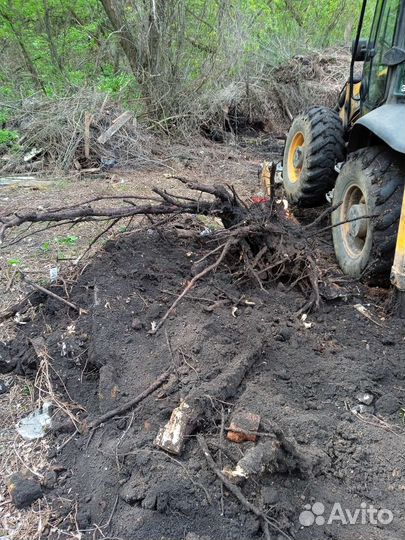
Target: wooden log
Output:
[(185, 417)]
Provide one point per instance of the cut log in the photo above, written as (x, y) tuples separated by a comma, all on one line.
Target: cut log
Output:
[(283, 455), (185, 417)]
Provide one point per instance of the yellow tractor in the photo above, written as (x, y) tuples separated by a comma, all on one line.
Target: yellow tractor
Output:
[(357, 150)]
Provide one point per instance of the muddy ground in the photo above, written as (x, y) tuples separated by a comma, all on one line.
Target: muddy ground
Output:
[(115, 483)]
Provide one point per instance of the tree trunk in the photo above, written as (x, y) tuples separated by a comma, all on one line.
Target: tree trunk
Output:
[(36, 79), (51, 43), (127, 42)]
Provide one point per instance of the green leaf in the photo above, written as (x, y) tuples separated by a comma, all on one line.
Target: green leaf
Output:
[(70, 240), (14, 262)]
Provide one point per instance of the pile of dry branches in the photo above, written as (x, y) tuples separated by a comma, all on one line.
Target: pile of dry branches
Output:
[(54, 129)]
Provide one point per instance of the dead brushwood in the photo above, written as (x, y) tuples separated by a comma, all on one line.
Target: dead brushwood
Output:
[(78, 132)]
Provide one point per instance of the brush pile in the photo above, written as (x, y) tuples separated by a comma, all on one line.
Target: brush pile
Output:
[(65, 134)]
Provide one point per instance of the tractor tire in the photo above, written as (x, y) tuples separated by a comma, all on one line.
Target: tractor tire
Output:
[(313, 147), (371, 183)]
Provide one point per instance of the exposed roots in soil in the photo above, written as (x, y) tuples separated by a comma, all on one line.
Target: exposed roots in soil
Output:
[(263, 243)]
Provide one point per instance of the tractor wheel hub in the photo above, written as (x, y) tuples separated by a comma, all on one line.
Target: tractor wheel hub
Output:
[(358, 228), (298, 157)]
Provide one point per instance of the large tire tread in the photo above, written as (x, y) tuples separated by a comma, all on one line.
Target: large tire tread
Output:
[(386, 171), (324, 148)]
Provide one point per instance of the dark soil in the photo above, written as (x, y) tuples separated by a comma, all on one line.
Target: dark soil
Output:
[(305, 381)]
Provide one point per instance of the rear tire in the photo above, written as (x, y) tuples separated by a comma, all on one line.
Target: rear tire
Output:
[(371, 183), (313, 147)]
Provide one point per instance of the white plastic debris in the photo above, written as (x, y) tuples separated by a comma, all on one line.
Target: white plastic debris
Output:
[(53, 274), (32, 153), (366, 313), (307, 325), (206, 231), (360, 409), (365, 398), (36, 424)]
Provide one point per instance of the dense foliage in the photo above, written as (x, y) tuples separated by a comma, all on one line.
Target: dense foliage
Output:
[(155, 54)]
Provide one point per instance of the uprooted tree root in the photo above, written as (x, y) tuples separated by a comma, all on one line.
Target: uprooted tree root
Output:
[(263, 243)]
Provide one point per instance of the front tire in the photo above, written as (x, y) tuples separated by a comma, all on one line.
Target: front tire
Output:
[(313, 147), (371, 183)]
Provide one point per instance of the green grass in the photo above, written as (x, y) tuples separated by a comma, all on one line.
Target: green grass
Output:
[(8, 136)]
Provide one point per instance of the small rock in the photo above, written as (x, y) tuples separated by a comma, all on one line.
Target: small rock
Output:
[(387, 404), (284, 334), (149, 502), (23, 490), (49, 480), (283, 374), (192, 536), (270, 495), (365, 398), (137, 324), (3, 387), (83, 518)]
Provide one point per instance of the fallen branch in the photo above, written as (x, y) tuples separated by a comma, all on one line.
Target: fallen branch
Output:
[(49, 293), (265, 520), (131, 403)]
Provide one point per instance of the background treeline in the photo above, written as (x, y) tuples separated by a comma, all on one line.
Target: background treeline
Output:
[(164, 59)]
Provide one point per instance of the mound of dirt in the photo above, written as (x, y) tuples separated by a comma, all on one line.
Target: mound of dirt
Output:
[(304, 382)]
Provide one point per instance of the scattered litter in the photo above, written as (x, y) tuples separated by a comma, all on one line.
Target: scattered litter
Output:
[(365, 398), (17, 318), (32, 153), (107, 164), (234, 311), (360, 409), (37, 424), (243, 427), (205, 232), (307, 325), (366, 313), (329, 196), (278, 178), (53, 274), (332, 291)]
